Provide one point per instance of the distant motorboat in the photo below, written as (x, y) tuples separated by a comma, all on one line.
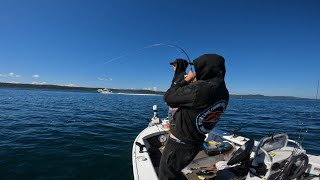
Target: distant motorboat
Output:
[(104, 91)]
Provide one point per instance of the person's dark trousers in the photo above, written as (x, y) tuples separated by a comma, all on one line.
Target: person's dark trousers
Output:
[(175, 157)]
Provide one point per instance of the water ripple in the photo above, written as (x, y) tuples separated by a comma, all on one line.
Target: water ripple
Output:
[(78, 135)]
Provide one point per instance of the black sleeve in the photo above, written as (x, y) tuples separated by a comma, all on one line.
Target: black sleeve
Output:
[(177, 78), (180, 95)]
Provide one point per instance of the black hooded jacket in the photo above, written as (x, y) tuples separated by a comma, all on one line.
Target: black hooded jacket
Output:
[(201, 103), (181, 66)]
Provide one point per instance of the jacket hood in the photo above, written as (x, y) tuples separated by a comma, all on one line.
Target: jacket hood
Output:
[(209, 66), (181, 65)]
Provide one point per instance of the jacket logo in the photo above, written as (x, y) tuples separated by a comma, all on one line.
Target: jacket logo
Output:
[(207, 119)]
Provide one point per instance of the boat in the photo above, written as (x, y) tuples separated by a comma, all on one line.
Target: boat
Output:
[(273, 157), (104, 91)]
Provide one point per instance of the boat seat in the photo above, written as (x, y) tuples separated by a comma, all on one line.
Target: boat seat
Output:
[(271, 143), (270, 150), (263, 152)]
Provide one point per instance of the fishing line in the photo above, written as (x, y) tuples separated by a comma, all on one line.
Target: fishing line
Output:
[(127, 54), (298, 135), (317, 93), (297, 151), (300, 139), (314, 106)]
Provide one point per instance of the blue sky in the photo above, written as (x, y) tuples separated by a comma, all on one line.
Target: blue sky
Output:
[(270, 47)]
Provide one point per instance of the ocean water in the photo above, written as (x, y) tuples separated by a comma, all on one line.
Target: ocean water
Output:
[(79, 135)]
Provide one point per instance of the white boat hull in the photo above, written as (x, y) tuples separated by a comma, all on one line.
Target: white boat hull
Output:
[(142, 165), (145, 166)]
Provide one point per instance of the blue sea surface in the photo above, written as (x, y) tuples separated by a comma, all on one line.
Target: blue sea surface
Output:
[(79, 135)]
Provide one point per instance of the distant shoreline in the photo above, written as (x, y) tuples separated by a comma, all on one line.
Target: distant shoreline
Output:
[(72, 88), (131, 91)]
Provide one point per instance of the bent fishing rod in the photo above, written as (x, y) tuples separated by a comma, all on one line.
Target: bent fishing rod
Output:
[(178, 48)]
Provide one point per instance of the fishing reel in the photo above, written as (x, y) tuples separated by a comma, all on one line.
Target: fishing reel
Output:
[(291, 169)]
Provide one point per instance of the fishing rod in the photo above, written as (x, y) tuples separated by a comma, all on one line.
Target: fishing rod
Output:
[(178, 48)]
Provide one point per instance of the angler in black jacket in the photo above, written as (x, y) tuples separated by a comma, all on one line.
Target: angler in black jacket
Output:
[(200, 105), (179, 68)]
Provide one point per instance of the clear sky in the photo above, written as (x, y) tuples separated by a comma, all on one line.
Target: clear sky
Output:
[(270, 47)]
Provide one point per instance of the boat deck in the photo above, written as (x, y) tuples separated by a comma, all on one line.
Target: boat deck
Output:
[(146, 162), (208, 170), (202, 165)]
